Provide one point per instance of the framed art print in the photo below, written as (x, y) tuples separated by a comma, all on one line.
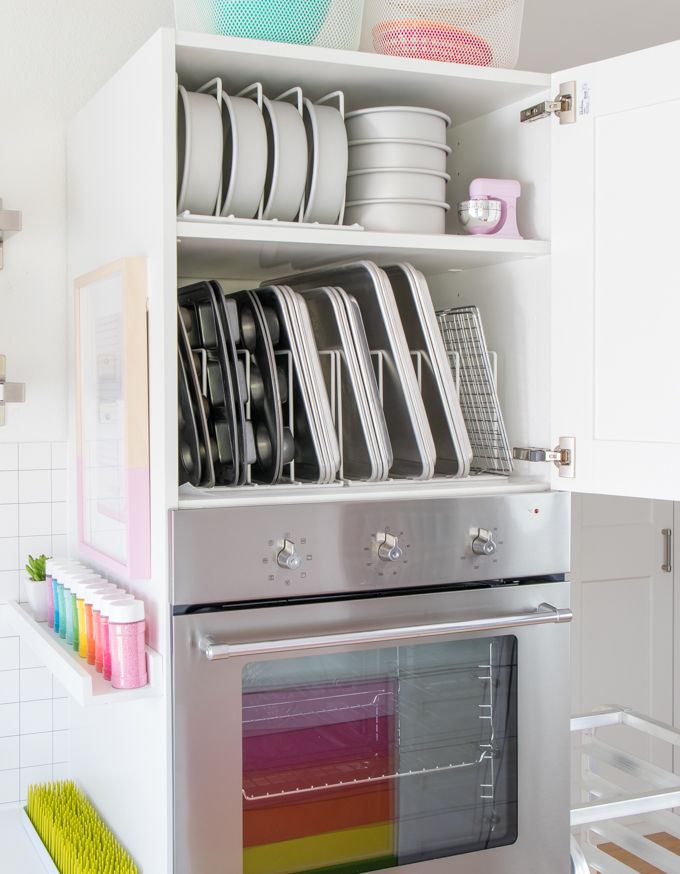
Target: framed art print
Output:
[(112, 418)]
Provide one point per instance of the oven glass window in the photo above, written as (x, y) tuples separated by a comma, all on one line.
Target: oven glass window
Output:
[(375, 759)]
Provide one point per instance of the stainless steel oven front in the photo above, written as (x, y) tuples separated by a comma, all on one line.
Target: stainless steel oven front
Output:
[(366, 726)]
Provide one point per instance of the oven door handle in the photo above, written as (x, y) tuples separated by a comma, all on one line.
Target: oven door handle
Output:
[(545, 613)]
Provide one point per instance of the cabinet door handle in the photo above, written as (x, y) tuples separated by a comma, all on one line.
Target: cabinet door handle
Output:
[(667, 565), (543, 614)]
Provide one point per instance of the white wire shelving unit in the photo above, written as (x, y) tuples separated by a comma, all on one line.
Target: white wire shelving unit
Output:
[(622, 798)]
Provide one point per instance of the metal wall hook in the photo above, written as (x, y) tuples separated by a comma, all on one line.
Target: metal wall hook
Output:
[(10, 223), (10, 392)]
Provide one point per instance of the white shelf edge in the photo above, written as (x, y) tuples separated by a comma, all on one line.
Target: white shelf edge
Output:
[(36, 842), (301, 235), (246, 496), (360, 59), (80, 680)]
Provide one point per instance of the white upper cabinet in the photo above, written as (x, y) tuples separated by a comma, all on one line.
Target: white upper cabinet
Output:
[(615, 320), (586, 337)]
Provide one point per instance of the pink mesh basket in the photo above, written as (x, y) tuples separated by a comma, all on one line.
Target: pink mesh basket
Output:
[(481, 32)]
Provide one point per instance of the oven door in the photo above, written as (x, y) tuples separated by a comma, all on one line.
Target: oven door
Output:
[(428, 733)]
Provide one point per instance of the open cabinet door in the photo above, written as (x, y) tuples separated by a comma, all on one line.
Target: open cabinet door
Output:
[(616, 276)]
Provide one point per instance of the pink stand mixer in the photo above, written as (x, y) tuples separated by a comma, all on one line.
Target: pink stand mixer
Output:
[(492, 208)]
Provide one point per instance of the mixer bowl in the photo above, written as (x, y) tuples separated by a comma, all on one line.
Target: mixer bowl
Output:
[(481, 215)]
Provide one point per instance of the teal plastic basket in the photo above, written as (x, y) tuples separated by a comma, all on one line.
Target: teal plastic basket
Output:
[(329, 23)]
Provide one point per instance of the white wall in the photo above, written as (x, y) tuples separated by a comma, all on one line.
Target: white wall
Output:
[(34, 709), (53, 57)]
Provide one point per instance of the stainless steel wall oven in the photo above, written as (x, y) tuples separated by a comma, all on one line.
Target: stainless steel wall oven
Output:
[(372, 685)]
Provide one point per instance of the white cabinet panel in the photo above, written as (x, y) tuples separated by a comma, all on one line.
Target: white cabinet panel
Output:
[(637, 275), (622, 634), (615, 276)]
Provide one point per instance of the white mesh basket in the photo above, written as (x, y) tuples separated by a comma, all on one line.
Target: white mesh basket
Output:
[(329, 23), (482, 32)]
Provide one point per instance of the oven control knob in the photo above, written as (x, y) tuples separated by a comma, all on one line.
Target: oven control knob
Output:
[(388, 547), (288, 558), (483, 543)]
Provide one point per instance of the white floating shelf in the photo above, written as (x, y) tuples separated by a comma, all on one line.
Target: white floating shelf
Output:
[(209, 250), (79, 679), (368, 79)]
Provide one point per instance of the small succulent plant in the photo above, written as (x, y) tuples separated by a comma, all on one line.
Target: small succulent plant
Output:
[(36, 568)]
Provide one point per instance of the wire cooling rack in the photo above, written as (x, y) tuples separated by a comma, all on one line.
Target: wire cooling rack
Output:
[(463, 334)]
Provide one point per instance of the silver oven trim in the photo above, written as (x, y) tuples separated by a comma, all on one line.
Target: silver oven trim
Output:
[(544, 613)]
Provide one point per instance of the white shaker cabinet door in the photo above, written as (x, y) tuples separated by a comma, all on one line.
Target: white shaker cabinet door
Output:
[(615, 381)]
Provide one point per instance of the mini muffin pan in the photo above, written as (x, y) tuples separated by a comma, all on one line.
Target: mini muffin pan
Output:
[(203, 470), (190, 465), (227, 316), (199, 311), (264, 405)]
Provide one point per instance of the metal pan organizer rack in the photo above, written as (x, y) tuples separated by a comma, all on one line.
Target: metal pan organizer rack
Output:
[(296, 98), (622, 799), (333, 364), (339, 377)]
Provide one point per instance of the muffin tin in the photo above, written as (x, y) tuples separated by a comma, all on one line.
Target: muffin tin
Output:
[(195, 451), (256, 327), (209, 327), (252, 401)]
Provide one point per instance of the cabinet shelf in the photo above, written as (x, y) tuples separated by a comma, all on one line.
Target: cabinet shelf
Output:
[(209, 250), (368, 79), (484, 484), (80, 680)]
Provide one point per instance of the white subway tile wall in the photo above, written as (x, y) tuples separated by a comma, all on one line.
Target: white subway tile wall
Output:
[(34, 708)]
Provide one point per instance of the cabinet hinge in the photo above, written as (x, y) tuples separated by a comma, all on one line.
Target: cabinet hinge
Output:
[(563, 106), (562, 456)]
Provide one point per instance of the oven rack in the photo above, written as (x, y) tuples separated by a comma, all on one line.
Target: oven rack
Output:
[(484, 755), (484, 752), (296, 714), (608, 811), (334, 388)]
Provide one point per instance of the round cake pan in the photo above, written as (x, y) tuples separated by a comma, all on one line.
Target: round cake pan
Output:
[(379, 153), (400, 216), (245, 157), (199, 152), (398, 122), (396, 184)]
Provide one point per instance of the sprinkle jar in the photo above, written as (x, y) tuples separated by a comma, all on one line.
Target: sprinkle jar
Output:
[(50, 592), (97, 620), (126, 636), (91, 582), (73, 582), (59, 572), (76, 584), (105, 602), (90, 594)]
